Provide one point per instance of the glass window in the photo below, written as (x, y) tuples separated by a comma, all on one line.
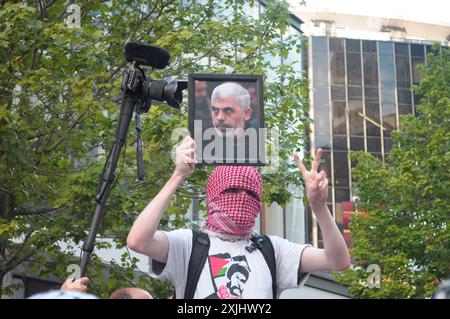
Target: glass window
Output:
[(321, 93), (389, 117), (353, 68), (387, 145), (369, 46), (373, 111), (417, 50), (321, 121), (417, 75), (371, 94), (403, 73), (339, 122), (319, 45), (341, 169), (401, 49), (338, 92), (373, 144), (404, 96), (337, 44), (387, 75), (355, 93), (387, 95), (340, 143), (355, 118), (320, 70), (322, 141), (385, 48), (357, 143), (370, 69), (337, 66), (342, 194), (372, 129), (404, 108), (353, 45)]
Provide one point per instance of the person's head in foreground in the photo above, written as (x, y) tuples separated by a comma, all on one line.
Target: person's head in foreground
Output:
[(130, 293)]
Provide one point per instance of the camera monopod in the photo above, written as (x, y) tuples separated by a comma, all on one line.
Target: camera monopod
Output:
[(138, 91)]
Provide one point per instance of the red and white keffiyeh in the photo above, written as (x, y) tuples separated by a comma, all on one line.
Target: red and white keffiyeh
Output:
[(233, 213)]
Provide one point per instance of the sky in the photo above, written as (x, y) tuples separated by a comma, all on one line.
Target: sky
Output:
[(427, 11)]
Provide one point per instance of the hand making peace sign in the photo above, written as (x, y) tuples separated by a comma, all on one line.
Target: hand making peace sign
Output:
[(316, 183)]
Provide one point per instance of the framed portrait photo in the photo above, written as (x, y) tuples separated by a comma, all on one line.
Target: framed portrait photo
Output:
[(226, 118)]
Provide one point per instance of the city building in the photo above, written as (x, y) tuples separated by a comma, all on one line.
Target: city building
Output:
[(361, 70)]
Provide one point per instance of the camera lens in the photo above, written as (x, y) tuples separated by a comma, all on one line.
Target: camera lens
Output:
[(168, 90)]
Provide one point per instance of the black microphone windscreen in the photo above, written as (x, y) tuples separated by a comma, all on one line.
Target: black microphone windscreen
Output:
[(149, 55)]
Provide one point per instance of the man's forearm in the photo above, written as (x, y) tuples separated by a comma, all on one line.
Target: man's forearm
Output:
[(334, 245), (146, 224)]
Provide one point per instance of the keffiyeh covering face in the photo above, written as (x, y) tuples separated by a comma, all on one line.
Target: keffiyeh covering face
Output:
[(232, 211)]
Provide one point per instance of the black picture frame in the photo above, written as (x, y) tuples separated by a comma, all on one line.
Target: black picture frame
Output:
[(239, 147)]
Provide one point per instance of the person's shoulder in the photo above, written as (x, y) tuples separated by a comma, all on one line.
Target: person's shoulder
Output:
[(276, 239), (279, 242), (183, 233)]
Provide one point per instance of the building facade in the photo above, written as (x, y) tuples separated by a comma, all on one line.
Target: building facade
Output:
[(362, 71)]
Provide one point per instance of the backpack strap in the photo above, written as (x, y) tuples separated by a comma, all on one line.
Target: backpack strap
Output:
[(264, 244), (199, 253)]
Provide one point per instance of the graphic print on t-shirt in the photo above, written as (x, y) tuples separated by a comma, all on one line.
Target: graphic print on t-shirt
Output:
[(229, 275)]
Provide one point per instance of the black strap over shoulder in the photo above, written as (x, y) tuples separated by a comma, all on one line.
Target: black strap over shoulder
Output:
[(264, 244), (199, 253)]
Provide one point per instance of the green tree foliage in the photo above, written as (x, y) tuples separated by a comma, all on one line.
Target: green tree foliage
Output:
[(59, 86), (405, 230)]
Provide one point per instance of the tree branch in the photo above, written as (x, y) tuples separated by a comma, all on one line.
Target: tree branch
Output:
[(20, 249), (69, 129), (39, 211)]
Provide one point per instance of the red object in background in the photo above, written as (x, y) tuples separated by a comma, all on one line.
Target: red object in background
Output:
[(348, 206), (347, 216)]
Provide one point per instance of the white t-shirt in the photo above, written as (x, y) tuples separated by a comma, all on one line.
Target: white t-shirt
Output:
[(231, 271)]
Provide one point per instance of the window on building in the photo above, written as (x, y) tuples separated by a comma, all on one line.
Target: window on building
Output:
[(357, 143), (387, 145), (387, 74), (354, 68), (403, 72), (373, 144), (322, 117), (353, 45), (322, 141), (354, 93), (341, 169), (355, 115), (339, 119), (401, 49), (370, 69), (337, 67), (340, 143), (338, 93)]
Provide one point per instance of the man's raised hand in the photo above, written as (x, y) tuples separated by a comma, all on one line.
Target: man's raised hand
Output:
[(316, 183), (185, 157)]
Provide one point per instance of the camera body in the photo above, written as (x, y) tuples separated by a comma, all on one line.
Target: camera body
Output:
[(138, 85)]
